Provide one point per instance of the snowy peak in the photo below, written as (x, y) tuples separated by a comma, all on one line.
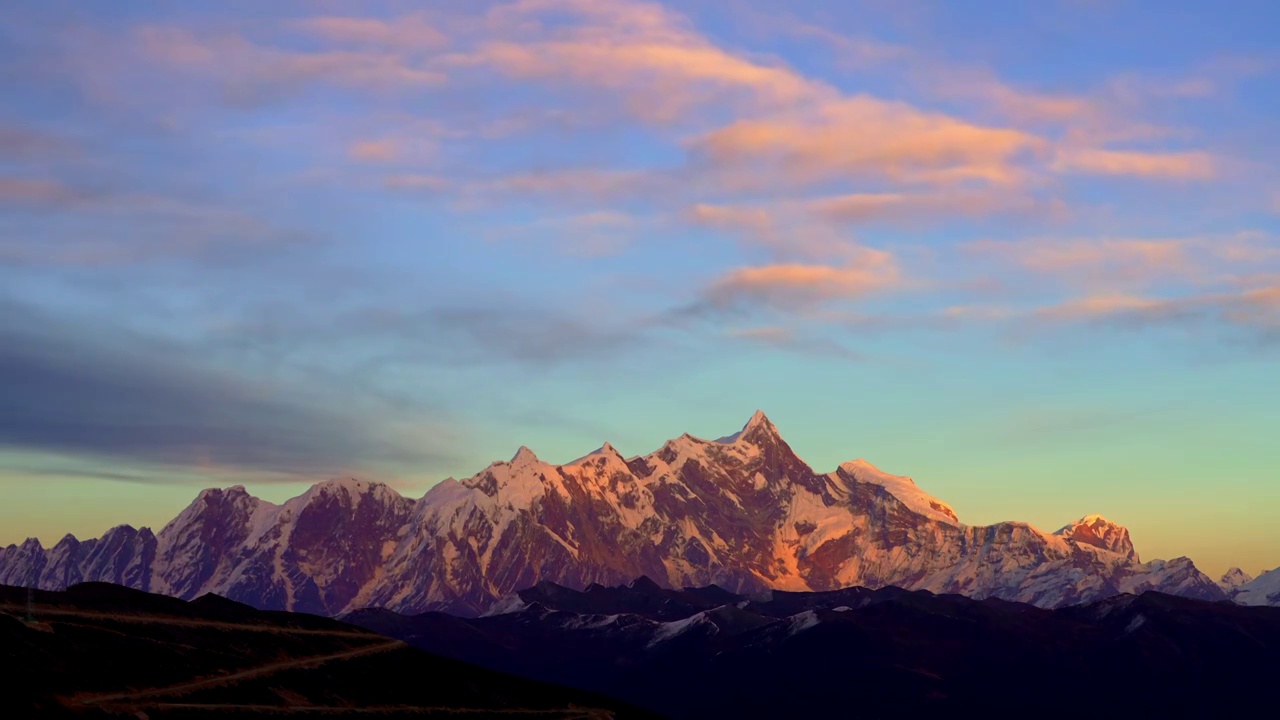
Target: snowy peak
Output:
[(1235, 578), (605, 450), (524, 456), (352, 489), (1262, 590), (1099, 532), (901, 487), (759, 430)]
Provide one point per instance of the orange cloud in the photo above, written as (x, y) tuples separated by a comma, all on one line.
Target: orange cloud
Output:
[(1017, 104), (822, 226), (1163, 165), (659, 76), (373, 150), (1100, 306), (1067, 256), (924, 207), (795, 286), (756, 221), (864, 136), (1257, 307), (648, 57), (1108, 263)]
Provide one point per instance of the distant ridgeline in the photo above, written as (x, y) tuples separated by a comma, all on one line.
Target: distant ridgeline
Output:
[(742, 512)]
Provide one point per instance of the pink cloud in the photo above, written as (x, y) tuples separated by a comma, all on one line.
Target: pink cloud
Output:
[(1106, 264), (374, 150), (1100, 306), (864, 136), (1158, 165), (796, 286)]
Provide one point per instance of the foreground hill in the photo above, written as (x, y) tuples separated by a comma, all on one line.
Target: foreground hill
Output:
[(104, 650), (856, 652), (744, 512)]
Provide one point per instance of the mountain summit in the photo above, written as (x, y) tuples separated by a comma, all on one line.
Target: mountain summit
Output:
[(1100, 532), (743, 512)]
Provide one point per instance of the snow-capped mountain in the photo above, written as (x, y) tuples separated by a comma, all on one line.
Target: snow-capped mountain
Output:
[(1234, 579), (743, 512), (1262, 590)]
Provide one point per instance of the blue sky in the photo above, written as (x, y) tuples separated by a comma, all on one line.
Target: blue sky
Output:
[(1026, 254)]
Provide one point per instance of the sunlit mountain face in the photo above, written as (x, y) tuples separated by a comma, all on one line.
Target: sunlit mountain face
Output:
[(743, 512)]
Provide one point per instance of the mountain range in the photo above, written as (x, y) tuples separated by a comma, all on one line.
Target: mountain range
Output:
[(743, 512)]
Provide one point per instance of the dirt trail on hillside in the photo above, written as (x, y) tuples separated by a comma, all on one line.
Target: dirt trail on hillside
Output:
[(21, 610), (260, 671)]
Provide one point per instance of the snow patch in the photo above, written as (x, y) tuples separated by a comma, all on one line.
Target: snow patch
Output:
[(903, 488), (803, 621), (505, 605), (670, 630)]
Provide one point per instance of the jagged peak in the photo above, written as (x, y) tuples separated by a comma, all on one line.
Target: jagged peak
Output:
[(1092, 520), (235, 491), (123, 527), (758, 428), (1234, 578), (353, 487), (523, 456), (1095, 530), (604, 450)]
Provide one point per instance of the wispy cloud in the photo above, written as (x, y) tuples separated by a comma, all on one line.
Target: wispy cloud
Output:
[(861, 137), (414, 31), (249, 73), (105, 228), (795, 286), (1156, 165), (1109, 264)]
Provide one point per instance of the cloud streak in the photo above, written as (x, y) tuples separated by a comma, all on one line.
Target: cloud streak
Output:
[(796, 286), (68, 389), (1156, 165)]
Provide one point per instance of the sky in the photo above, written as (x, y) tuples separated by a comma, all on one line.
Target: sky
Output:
[(1025, 253)]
